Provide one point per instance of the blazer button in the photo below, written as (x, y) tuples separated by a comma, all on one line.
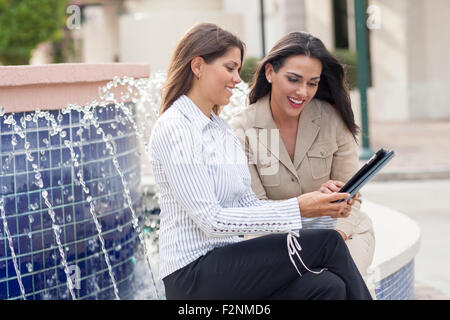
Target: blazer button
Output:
[(293, 179)]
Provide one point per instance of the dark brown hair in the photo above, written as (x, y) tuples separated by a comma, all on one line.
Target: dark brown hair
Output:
[(205, 40), (333, 86)]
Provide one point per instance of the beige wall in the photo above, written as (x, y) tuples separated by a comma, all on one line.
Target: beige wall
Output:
[(411, 68), (294, 12), (150, 36), (389, 63), (319, 20), (436, 48), (248, 10), (150, 33), (178, 5)]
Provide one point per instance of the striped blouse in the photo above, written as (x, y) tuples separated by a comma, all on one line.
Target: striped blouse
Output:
[(205, 195)]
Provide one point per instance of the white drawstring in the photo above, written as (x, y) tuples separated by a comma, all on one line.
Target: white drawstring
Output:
[(294, 248)]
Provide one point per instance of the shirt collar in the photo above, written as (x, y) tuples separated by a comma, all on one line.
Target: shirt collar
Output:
[(190, 110)]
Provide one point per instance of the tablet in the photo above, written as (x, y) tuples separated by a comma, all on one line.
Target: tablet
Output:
[(368, 170)]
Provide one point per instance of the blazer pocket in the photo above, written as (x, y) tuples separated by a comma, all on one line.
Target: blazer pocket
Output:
[(269, 173), (320, 158)]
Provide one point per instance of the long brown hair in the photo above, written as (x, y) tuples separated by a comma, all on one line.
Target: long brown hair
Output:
[(333, 86), (205, 40)]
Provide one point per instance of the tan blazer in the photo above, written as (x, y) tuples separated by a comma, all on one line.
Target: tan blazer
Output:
[(325, 149)]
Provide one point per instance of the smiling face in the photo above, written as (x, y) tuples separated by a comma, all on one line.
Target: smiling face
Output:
[(294, 85), (219, 77)]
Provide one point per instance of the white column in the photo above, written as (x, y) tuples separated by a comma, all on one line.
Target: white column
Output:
[(294, 14), (249, 12), (389, 62), (351, 25), (100, 33), (319, 21)]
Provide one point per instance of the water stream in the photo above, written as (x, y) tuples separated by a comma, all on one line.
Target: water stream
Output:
[(11, 247)]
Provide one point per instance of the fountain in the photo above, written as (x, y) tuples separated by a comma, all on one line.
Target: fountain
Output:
[(71, 202), (70, 180)]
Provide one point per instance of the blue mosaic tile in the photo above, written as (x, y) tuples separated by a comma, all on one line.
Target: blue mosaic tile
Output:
[(397, 286)]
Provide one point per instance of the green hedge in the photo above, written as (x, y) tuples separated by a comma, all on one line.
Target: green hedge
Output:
[(349, 60), (26, 23), (249, 69)]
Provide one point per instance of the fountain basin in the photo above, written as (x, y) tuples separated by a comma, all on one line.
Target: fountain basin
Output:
[(50, 88), (391, 274)]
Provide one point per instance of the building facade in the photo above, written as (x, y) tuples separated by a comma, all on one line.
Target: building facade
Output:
[(409, 64)]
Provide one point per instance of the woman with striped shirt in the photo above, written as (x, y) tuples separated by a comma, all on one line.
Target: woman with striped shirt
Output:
[(207, 203)]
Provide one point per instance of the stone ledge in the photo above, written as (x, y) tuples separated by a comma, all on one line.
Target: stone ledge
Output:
[(397, 241), (54, 86)]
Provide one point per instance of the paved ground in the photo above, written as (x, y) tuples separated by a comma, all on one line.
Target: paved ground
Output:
[(427, 203), (422, 148), (426, 292), (417, 183)]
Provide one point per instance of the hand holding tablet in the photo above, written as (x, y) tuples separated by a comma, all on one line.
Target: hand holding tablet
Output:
[(368, 170)]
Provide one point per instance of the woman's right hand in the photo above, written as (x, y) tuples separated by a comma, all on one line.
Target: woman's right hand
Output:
[(334, 186), (318, 204)]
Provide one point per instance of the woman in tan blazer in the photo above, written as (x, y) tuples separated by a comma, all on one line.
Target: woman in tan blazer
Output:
[(299, 133)]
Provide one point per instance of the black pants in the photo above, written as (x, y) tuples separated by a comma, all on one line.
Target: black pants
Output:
[(260, 268)]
